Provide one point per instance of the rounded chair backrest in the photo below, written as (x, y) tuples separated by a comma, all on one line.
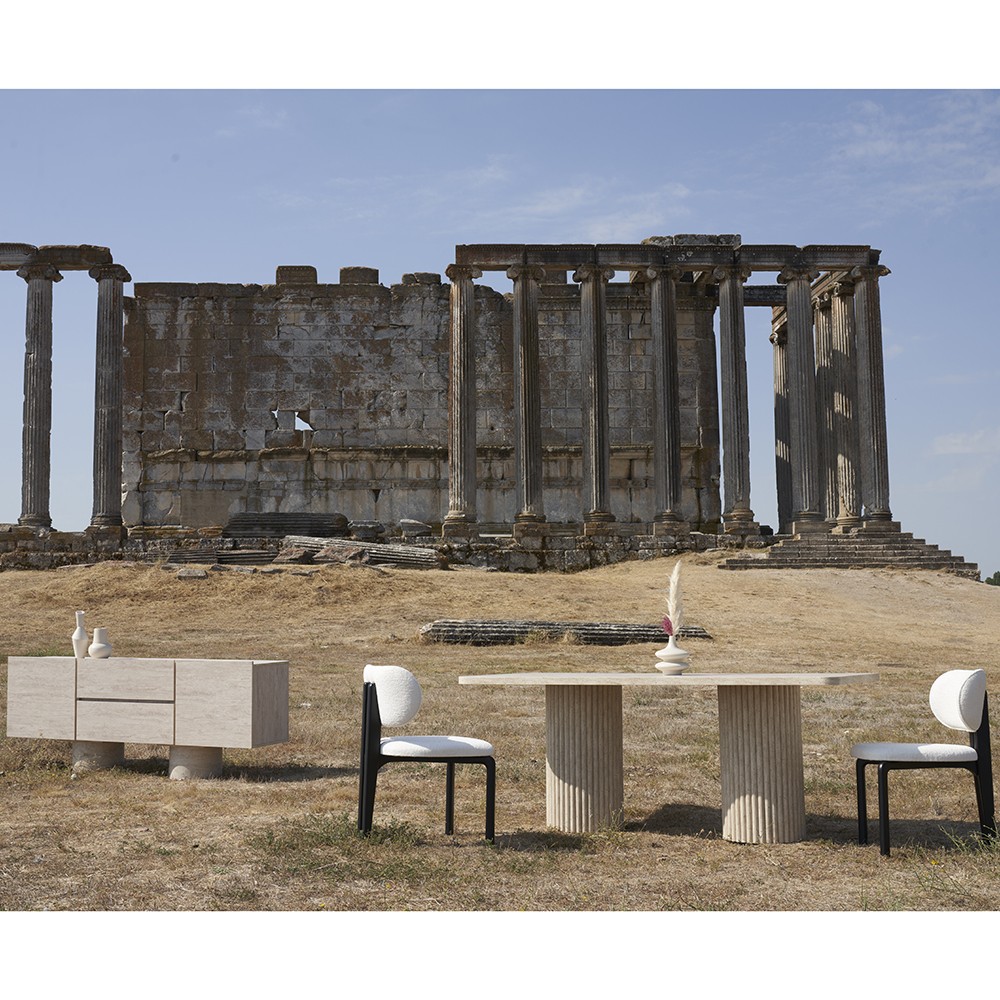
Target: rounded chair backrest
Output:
[(957, 699), (399, 693)]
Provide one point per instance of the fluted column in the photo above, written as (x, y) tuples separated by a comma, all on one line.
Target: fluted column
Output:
[(871, 393), (584, 775), (802, 400), (527, 395), (36, 431), (594, 360), (845, 405), (737, 515), (826, 445), (461, 514), (760, 760), (782, 431), (108, 394), (666, 401)]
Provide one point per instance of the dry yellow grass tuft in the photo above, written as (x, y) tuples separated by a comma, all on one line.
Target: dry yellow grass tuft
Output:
[(277, 831)]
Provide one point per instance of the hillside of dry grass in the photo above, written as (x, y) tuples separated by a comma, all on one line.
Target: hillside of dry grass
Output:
[(276, 832)]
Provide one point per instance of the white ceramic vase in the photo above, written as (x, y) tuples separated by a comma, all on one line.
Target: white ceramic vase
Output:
[(100, 648), (672, 659), (80, 638)]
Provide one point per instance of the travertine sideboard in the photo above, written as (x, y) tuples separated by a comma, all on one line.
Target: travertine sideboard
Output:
[(196, 707)]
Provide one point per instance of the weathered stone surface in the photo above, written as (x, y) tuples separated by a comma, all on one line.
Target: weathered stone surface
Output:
[(72, 258), (192, 573), (301, 274)]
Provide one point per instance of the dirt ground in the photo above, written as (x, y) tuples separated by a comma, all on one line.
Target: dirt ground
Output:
[(276, 832)]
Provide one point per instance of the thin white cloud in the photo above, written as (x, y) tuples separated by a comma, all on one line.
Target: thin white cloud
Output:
[(253, 117), (985, 441)]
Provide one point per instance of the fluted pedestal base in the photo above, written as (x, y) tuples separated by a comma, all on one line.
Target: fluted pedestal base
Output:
[(584, 775), (760, 755)]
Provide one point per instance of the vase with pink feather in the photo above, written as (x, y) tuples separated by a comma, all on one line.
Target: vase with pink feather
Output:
[(672, 659)]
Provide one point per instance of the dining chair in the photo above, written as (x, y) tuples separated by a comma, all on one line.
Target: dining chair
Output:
[(392, 697), (959, 701)]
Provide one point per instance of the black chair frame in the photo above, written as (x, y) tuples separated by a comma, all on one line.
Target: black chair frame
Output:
[(372, 761), (982, 773)]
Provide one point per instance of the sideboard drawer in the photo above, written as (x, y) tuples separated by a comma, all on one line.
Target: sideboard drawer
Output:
[(125, 678), (125, 721)]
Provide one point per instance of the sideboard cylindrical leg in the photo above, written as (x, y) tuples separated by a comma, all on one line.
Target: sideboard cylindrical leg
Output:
[(93, 755), (195, 762), (760, 756), (584, 783)]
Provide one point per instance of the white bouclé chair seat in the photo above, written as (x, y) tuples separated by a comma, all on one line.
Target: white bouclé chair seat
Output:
[(927, 752), (435, 746)]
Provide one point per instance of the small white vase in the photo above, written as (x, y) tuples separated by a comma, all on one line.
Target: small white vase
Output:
[(100, 648), (80, 638), (672, 659)]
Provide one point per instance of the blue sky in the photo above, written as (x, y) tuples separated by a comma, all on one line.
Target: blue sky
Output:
[(218, 184)]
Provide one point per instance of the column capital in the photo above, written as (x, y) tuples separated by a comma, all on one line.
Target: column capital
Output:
[(793, 273), (47, 271), (843, 287), (872, 271), (109, 271), (655, 271), (456, 272), (823, 301), (589, 272), (532, 271), (779, 337), (739, 271)]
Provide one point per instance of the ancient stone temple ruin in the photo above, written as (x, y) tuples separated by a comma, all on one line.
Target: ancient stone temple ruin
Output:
[(574, 421)]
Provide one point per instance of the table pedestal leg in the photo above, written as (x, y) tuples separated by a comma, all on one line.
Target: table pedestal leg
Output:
[(93, 755), (195, 762), (584, 783), (760, 753)]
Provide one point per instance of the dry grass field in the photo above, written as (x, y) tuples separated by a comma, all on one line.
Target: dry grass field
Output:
[(277, 831)]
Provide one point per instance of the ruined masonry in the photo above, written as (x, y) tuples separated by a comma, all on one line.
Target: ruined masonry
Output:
[(573, 422)]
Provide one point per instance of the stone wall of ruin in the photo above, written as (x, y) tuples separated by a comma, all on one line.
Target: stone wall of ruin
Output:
[(301, 396)]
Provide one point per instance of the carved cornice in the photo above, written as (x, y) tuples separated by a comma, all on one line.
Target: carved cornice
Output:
[(872, 272), (31, 272)]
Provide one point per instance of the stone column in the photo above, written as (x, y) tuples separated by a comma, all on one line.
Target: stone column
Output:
[(737, 516), (871, 394), (845, 405), (806, 514), (37, 427), (461, 516), (527, 395), (108, 394), (826, 445), (782, 431), (666, 403), (594, 360)]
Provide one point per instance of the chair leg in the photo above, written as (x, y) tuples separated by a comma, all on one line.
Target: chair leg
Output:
[(366, 809), (883, 809), (491, 797), (862, 802), (984, 803), (449, 799)]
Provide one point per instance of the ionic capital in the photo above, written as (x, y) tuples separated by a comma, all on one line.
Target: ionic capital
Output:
[(591, 272), (779, 337), (116, 271), (738, 271), (789, 274), (872, 272), (460, 272), (823, 301), (662, 271), (843, 287), (46, 271), (532, 271)]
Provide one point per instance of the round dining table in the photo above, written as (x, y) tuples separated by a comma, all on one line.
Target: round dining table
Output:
[(760, 746)]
